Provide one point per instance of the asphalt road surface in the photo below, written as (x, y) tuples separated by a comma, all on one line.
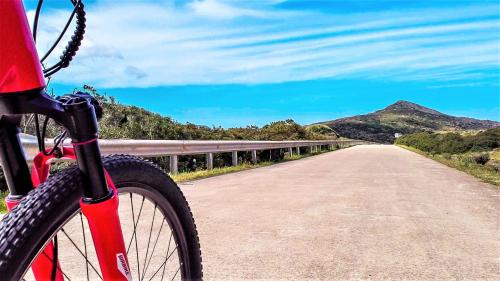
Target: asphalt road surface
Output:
[(366, 212)]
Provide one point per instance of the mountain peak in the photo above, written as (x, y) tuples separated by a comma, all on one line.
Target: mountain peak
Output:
[(402, 117), (403, 105)]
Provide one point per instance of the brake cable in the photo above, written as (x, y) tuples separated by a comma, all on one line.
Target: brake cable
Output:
[(73, 45), (65, 59)]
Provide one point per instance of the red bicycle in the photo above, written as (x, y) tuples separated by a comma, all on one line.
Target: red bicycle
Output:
[(112, 218)]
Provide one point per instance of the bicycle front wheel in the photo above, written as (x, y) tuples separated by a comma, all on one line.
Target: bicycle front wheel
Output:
[(158, 228)]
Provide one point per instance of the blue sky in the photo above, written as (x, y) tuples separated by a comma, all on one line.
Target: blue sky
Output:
[(237, 63)]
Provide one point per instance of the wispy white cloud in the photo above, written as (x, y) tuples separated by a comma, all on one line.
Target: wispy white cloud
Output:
[(219, 10), (145, 44)]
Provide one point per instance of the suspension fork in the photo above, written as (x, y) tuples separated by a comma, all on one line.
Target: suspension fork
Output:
[(99, 203)]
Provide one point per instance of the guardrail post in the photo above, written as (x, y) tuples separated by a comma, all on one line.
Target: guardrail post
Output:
[(254, 156), (210, 161), (174, 164), (235, 158), (298, 150), (290, 151)]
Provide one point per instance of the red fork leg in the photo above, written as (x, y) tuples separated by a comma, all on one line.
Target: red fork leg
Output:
[(42, 266), (106, 231)]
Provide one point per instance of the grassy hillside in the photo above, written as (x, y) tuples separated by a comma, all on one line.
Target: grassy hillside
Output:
[(405, 118), (477, 154)]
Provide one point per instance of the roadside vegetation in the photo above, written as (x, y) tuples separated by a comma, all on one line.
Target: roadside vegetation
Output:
[(203, 173), (3, 207), (477, 154), (123, 121)]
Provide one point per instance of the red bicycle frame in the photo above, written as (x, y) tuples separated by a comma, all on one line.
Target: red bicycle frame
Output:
[(22, 91)]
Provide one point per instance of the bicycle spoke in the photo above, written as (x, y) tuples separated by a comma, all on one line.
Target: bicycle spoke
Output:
[(134, 223), (166, 260), (167, 256), (134, 234), (59, 269), (164, 264), (54, 260), (168, 248), (81, 253), (149, 240), (85, 245), (175, 274), (154, 246)]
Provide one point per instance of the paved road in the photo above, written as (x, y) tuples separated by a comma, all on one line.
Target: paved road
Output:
[(367, 212)]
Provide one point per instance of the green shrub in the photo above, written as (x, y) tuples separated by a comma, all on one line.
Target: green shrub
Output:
[(446, 156), (452, 143), (482, 158), (320, 129)]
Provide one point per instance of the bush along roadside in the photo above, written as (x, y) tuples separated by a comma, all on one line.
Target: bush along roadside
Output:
[(476, 154), (245, 165), (452, 143)]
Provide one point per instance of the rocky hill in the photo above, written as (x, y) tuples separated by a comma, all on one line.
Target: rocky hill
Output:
[(403, 117)]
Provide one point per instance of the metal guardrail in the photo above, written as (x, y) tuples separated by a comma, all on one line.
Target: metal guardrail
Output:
[(174, 148)]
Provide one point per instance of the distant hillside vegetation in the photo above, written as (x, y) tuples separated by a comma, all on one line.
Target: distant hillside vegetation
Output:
[(477, 154), (405, 118), (452, 143), (121, 121), (321, 129)]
